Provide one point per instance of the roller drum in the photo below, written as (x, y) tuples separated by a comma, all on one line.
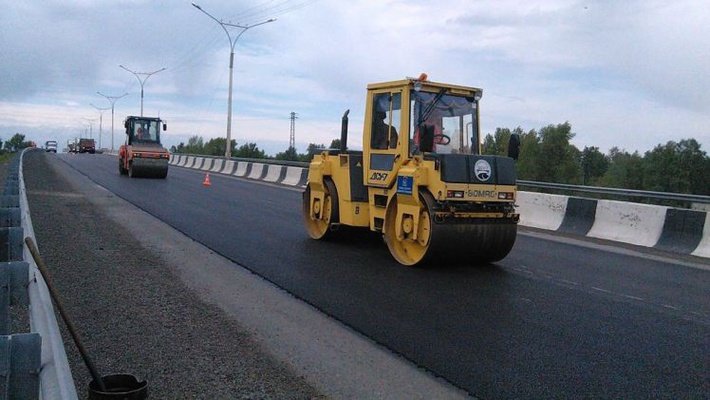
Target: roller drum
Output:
[(469, 241), (148, 168)]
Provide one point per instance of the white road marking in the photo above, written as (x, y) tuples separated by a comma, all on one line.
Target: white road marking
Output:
[(600, 289)]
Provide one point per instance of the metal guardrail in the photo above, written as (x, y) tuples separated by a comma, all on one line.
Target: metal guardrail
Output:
[(56, 380), (618, 192), (20, 358), (626, 193)]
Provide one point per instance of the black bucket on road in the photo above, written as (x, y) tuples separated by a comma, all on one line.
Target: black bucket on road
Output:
[(119, 386)]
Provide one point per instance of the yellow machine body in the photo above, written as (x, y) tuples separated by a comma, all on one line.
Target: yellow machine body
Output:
[(420, 179)]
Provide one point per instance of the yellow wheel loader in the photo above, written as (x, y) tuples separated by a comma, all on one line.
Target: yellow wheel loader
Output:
[(420, 180)]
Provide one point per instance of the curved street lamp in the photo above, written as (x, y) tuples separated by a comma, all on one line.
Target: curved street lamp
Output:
[(112, 100), (232, 43), (101, 119), (91, 126), (142, 81)]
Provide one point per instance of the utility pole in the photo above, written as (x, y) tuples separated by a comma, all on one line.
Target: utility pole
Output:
[(142, 81), (112, 100), (101, 120), (224, 25), (292, 137)]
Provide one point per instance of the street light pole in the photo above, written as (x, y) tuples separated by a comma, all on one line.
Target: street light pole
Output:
[(91, 127), (101, 120), (112, 100), (142, 81), (232, 43)]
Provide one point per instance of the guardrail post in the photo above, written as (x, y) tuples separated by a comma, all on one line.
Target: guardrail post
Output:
[(11, 244), (20, 363), (9, 201), (13, 291)]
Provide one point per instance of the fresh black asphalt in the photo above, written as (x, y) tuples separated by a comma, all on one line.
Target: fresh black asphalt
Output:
[(552, 320), (131, 308)]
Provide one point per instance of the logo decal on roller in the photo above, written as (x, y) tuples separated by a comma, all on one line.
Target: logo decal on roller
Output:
[(405, 184), (482, 170)]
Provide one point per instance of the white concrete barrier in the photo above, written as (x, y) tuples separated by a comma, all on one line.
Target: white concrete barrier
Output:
[(639, 224), (241, 168), (539, 210), (256, 170), (293, 176), (198, 162), (273, 173), (189, 162), (703, 249), (218, 164), (228, 167)]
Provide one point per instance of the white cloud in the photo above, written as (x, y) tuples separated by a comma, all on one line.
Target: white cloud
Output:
[(622, 73)]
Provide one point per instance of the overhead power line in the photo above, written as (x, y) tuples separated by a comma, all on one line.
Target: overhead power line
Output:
[(270, 8)]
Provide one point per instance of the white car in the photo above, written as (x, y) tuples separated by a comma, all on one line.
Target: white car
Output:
[(50, 146)]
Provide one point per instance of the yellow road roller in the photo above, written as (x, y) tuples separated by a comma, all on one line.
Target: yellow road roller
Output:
[(142, 154), (420, 180)]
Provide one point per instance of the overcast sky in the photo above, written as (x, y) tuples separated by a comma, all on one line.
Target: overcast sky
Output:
[(631, 74)]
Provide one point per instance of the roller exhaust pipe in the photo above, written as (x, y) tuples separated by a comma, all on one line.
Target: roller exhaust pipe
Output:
[(344, 132)]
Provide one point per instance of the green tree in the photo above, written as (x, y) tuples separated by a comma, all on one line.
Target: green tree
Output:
[(216, 146), (489, 144), (558, 160), (335, 144), (16, 142), (680, 167), (497, 144), (195, 145), (695, 165), (625, 170), (314, 149), (527, 164), (289, 155), (249, 150), (594, 165)]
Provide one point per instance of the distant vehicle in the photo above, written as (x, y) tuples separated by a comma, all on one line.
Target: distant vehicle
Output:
[(87, 146), (50, 146)]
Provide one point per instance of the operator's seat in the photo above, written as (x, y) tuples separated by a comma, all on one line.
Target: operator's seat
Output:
[(426, 138)]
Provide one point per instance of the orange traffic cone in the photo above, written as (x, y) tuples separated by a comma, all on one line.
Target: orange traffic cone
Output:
[(207, 182)]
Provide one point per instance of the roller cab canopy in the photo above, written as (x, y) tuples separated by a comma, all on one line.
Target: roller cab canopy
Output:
[(144, 130)]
